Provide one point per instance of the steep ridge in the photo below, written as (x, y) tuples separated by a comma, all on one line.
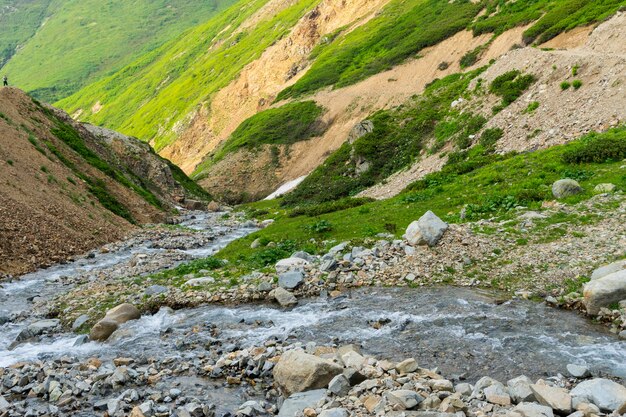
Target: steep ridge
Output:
[(53, 48), (68, 187)]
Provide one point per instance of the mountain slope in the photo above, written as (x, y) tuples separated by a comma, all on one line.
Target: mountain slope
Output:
[(68, 187), (351, 58), (56, 47)]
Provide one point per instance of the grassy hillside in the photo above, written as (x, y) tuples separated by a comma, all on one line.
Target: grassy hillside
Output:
[(19, 20), (406, 27), (499, 183), (82, 41), (149, 97)]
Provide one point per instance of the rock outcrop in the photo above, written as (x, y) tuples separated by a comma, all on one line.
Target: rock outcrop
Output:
[(297, 371)]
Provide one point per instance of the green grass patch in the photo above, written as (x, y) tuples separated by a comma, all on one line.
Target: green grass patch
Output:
[(499, 183), (398, 32), (55, 59), (398, 137), (532, 106), (510, 86), (284, 125)]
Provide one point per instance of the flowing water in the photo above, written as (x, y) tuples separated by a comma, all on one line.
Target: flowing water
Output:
[(464, 333)]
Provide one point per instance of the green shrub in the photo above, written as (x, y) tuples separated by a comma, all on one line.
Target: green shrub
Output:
[(510, 86), (532, 107), (596, 148), (490, 137), (565, 85), (329, 207), (284, 125), (577, 84), (271, 255), (575, 69), (321, 226)]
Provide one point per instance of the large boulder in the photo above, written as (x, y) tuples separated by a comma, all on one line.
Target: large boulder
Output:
[(428, 230), (566, 188), (554, 397), (603, 292), (604, 393), (291, 264), (291, 279), (297, 371), (608, 269), (112, 320)]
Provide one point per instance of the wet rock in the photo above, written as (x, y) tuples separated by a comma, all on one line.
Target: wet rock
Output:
[(297, 371), (103, 329), (406, 399), (291, 280), (578, 371), (554, 397), (284, 297), (428, 230), (566, 188), (80, 320), (43, 326), (605, 291), (604, 393), (296, 403), (111, 321)]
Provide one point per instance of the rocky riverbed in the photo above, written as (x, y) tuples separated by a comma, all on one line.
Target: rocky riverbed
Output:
[(212, 359)]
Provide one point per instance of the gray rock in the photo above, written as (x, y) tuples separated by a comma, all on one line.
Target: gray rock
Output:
[(81, 340), (464, 389), (328, 265), (4, 404), (604, 188), (297, 371), (519, 389), (359, 130), (156, 289), (578, 371), (566, 188), (304, 255), (264, 287), (43, 326), (338, 248), (296, 403), (290, 264), (80, 320), (403, 398), (497, 394), (428, 230), (531, 410), (334, 412), (605, 291), (291, 280), (608, 269), (339, 385), (284, 297), (554, 397), (199, 282), (604, 393)]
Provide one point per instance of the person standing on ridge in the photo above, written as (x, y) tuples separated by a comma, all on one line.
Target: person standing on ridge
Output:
[(5, 81)]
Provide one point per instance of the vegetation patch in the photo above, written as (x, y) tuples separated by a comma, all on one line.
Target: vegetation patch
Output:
[(510, 86), (284, 125), (398, 137)]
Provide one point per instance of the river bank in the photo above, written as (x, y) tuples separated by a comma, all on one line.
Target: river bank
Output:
[(216, 349)]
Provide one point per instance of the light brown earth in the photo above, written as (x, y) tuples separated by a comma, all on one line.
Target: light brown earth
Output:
[(47, 212)]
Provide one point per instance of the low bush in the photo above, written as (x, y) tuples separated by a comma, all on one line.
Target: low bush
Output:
[(565, 85), (598, 148), (510, 86)]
